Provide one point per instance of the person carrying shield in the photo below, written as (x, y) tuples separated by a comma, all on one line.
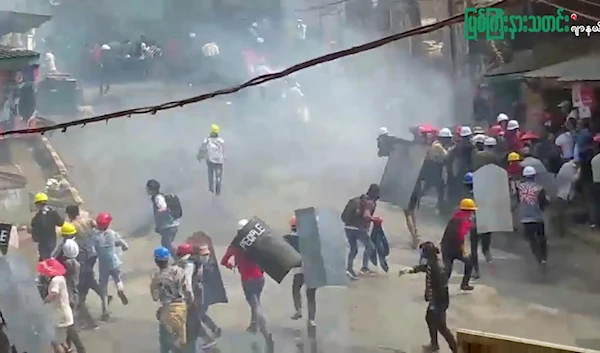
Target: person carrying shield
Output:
[(106, 242), (531, 204), (169, 287), (453, 240), (253, 282), (474, 237), (433, 167), (193, 278), (208, 275), (213, 151), (298, 281), (436, 295)]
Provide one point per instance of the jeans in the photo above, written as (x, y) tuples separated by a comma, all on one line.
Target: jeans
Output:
[(215, 174), (354, 235), (167, 237), (104, 275), (536, 236), (476, 238), (449, 258), (311, 293), (252, 290)]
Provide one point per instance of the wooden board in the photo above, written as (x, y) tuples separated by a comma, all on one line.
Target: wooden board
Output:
[(481, 342)]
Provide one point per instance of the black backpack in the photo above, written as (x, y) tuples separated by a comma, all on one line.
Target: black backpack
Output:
[(174, 205), (351, 210)]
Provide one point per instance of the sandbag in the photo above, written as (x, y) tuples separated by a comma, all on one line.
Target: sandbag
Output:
[(269, 251)]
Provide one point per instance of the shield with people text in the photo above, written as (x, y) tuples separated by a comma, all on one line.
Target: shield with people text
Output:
[(269, 251), (322, 246), (213, 289), (401, 173), (28, 323), (492, 197)]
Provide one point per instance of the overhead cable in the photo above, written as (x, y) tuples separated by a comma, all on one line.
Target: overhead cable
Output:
[(255, 81)]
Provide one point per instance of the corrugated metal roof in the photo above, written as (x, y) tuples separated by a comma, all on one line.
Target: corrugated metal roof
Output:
[(12, 53), (584, 68)]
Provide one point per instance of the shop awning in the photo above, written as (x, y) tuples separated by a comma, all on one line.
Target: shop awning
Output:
[(20, 22), (584, 68)]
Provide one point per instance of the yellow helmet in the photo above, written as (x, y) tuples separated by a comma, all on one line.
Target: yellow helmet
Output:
[(214, 128), (467, 205), (40, 197), (67, 229), (513, 157)]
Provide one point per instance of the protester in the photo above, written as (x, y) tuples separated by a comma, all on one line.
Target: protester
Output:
[(43, 226), (433, 167), (165, 223), (502, 121), (532, 202), (207, 275), (213, 151), (476, 238), (253, 282), (565, 140), (566, 178)]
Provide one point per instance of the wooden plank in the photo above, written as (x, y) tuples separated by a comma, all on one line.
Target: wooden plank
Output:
[(470, 341)]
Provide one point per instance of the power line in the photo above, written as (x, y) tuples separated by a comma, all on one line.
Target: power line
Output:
[(255, 81)]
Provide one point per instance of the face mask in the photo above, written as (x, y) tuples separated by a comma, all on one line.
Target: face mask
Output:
[(204, 258)]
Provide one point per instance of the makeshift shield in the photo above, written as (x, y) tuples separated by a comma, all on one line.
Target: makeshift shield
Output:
[(401, 173), (213, 289), (270, 252), (322, 246), (492, 197), (28, 323), (549, 182)]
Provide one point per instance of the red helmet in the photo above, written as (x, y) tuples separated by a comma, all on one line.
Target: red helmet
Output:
[(293, 221), (528, 136), (184, 249), (103, 220), (495, 131)]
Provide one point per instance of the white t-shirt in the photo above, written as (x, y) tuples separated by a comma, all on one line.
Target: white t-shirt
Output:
[(62, 315), (565, 142), (566, 177)]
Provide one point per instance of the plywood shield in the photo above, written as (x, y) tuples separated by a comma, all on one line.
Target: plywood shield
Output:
[(214, 290), (28, 323), (491, 192), (322, 246), (401, 173), (269, 251)]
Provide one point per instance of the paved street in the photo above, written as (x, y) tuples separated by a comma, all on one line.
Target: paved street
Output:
[(110, 164)]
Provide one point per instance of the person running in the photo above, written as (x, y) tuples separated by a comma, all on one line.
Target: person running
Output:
[(532, 203)]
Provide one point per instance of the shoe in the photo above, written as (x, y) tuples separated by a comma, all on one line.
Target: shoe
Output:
[(430, 349), (297, 315), (466, 287), (252, 328), (476, 274), (105, 317), (123, 297), (366, 271), (217, 333), (415, 242), (208, 343), (352, 275), (311, 323)]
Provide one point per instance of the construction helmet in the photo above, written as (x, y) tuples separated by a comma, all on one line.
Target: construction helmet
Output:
[(468, 179), (479, 138), (214, 129), (495, 131), (184, 249), (465, 131), (161, 254), (70, 248), (512, 125), (241, 224), (67, 229), (467, 205), (103, 220), (293, 221), (502, 117), (445, 132), (40, 197), (383, 131), (478, 130), (490, 141), (513, 157), (528, 171)]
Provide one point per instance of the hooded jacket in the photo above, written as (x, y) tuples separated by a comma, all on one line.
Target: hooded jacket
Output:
[(454, 236)]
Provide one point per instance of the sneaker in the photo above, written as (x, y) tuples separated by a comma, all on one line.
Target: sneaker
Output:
[(476, 274), (217, 333), (123, 297), (208, 343), (312, 323), (430, 349), (366, 271), (466, 287), (297, 316), (252, 328), (352, 275), (105, 317)]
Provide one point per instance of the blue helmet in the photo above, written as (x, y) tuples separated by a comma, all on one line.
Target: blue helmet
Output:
[(161, 253), (468, 178)]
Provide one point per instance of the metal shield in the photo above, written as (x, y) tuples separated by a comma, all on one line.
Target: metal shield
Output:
[(28, 323), (269, 251), (492, 197), (213, 290), (401, 173), (322, 246)]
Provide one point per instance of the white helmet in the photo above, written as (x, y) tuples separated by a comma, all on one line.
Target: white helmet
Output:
[(490, 141), (241, 224), (502, 117), (70, 248), (529, 171), (383, 131), (259, 40), (445, 132), (479, 138), (512, 125), (465, 131)]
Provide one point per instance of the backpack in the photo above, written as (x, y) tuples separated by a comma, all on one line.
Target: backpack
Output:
[(351, 210), (174, 205)]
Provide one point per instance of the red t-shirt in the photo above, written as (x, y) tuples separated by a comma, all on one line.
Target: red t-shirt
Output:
[(248, 269)]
